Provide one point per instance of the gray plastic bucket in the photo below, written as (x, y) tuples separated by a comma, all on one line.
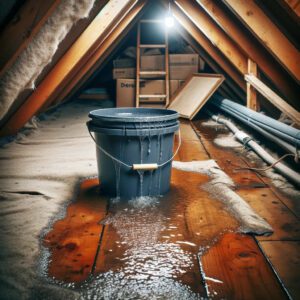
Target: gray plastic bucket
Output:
[(128, 136)]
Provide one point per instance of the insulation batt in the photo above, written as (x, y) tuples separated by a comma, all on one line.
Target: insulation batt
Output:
[(26, 69), (39, 174), (220, 187)]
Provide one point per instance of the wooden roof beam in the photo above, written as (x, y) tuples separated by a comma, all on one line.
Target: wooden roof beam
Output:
[(268, 34), (22, 28), (90, 39), (206, 44), (255, 52), (230, 88), (214, 33), (284, 17), (102, 53)]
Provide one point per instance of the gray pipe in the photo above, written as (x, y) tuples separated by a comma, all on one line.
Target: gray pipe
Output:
[(272, 134), (288, 133), (281, 168), (250, 121)]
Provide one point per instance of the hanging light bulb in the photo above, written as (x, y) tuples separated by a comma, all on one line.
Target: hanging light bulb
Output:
[(169, 20)]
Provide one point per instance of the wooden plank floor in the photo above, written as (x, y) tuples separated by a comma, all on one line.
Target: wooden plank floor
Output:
[(230, 265), (281, 249), (73, 241)]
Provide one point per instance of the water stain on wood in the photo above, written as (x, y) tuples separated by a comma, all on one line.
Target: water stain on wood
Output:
[(73, 241)]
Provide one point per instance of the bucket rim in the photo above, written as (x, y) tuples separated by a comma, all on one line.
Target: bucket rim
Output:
[(133, 132), (127, 115)]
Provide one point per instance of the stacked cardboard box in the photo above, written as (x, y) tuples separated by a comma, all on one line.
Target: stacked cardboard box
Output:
[(180, 67), (126, 90)]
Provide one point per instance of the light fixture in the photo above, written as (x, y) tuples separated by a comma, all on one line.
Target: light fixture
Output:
[(169, 20)]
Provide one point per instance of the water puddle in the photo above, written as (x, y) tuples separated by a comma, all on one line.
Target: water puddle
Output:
[(146, 248)]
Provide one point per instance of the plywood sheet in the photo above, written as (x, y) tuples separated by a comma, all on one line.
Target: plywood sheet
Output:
[(194, 94)]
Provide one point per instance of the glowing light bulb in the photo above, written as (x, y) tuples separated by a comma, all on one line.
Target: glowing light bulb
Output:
[(169, 21)]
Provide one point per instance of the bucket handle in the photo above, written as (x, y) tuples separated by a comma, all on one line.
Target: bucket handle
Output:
[(144, 167)]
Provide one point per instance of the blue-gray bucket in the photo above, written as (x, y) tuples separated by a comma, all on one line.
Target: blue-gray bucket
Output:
[(134, 150)]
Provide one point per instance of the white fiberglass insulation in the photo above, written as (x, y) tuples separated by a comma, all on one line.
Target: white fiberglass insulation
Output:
[(39, 174), (227, 140), (39, 53), (220, 187)]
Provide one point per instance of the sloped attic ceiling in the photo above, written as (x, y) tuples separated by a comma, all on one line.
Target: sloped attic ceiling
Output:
[(224, 33)]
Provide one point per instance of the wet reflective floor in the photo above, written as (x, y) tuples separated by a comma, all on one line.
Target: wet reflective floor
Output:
[(142, 247), (184, 245)]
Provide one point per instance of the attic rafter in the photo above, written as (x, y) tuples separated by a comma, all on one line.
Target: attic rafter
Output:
[(268, 34), (84, 45), (102, 53), (214, 53), (215, 34), (229, 87), (266, 63), (20, 31), (286, 19)]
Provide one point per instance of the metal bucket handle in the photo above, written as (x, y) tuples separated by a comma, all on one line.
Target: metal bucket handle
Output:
[(151, 166)]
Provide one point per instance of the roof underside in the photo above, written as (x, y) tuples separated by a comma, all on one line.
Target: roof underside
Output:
[(228, 35)]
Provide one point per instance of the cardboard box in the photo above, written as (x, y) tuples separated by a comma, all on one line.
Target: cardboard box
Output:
[(176, 72), (127, 73), (157, 62), (126, 90), (180, 65), (124, 73), (124, 63), (182, 72)]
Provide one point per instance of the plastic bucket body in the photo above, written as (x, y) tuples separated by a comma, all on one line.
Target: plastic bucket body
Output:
[(134, 136)]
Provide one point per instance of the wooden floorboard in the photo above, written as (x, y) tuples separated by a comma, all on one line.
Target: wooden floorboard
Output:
[(288, 198), (285, 258), (286, 225), (73, 241), (229, 160), (280, 210), (236, 269)]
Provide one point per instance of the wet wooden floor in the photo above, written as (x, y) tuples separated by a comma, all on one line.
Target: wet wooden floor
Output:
[(230, 265)]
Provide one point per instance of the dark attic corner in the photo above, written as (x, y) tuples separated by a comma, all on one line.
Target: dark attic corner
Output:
[(149, 149)]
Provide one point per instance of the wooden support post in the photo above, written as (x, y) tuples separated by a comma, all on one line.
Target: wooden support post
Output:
[(252, 101)]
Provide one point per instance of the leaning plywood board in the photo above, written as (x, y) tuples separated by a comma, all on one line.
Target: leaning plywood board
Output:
[(191, 97)]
